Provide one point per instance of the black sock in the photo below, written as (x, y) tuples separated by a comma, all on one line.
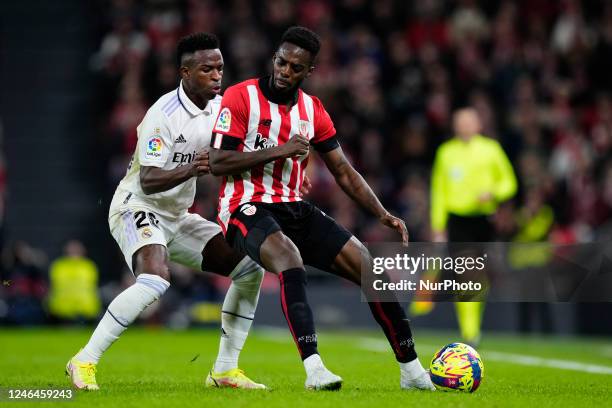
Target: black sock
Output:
[(297, 311), (392, 318)]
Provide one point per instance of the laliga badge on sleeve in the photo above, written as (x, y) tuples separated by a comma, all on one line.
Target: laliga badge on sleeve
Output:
[(224, 122), (154, 147)]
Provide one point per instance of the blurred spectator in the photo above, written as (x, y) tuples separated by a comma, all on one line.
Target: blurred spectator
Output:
[(390, 74), (533, 224), (73, 291), (24, 284)]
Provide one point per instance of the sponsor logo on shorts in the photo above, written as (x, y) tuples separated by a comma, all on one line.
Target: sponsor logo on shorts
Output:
[(154, 147), (146, 233), (248, 209), (224, 122)]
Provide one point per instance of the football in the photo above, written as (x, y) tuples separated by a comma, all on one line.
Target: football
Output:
[(456, 367)]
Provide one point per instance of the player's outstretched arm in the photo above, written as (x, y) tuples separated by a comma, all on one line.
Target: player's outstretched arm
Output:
[(155, 180), (353, 184), (230, 162)]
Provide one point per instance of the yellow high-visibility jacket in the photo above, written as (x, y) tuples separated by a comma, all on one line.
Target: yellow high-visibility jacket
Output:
[(463, 171), (74, 288)]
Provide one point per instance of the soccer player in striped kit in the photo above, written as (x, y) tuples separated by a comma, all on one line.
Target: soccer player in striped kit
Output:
[(262, 138)]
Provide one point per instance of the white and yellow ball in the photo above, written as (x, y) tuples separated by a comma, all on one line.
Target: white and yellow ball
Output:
[(456, 367)]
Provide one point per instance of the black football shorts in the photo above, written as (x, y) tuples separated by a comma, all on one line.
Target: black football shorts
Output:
[(318, 236)]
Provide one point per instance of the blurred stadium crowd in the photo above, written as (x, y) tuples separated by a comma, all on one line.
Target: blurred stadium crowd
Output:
[(391, 73)]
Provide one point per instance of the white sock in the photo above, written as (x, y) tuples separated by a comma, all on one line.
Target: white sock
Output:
[(238, 312), (312, 363), (122, 311), (412, 369)]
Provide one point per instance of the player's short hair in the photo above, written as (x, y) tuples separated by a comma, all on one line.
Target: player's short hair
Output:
[(195, 42), (303, 38)]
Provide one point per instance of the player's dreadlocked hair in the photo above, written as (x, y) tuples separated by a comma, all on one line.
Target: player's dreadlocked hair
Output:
[(193, 43), (303, 38)]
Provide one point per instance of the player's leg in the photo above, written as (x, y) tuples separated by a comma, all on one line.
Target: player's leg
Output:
[(469, 229), (390, 315), (199, 244), (283, 257), (330, 247), (258, 233), (143, 245), (151, 283)]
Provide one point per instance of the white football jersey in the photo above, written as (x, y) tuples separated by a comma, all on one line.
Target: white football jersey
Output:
[(171, 133)]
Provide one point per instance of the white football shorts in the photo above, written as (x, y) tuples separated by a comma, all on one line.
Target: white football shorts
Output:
[(184, 236)]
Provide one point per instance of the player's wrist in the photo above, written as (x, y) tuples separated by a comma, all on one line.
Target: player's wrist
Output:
[(192, 170), (281, 152), (383, 215)]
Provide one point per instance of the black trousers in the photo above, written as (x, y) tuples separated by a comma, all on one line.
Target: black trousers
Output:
[(476, 228)]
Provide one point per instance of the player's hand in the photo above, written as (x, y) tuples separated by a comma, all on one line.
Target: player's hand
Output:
[(397, 224), (296, 146), (439, 236), (201, 164), (306, 186), (485, 198)]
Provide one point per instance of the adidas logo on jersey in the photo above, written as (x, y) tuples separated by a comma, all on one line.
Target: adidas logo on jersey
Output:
[(180, 139)]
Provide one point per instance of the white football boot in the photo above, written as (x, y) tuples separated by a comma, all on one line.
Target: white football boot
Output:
[(420, 382), (318, 377)]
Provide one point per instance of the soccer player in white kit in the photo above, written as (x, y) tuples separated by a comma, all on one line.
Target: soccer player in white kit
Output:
[(149, 220)]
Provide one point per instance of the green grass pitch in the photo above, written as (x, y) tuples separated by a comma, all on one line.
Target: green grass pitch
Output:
[(156, 368)]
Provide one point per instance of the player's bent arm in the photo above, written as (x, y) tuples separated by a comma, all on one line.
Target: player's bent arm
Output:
[(227, 162), (352, 183), (231, 162), (155, 180)]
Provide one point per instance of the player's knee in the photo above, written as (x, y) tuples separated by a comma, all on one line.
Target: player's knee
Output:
[(360, 258), (159, 269), (280, 253), (152, 259), (153, 267), (219, 257)]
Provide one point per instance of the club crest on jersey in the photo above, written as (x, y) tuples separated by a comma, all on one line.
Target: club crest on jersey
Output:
[(154, 147), (224, 122), (304, 128), (248, 209)]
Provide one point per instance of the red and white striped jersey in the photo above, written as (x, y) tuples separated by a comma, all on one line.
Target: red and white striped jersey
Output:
[(257, 123)]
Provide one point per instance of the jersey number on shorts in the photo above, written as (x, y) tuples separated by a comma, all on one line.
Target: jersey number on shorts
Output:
[(141, 219)]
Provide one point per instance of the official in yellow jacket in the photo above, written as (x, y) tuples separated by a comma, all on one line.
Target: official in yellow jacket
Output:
[(471, 176), (74, 285)]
